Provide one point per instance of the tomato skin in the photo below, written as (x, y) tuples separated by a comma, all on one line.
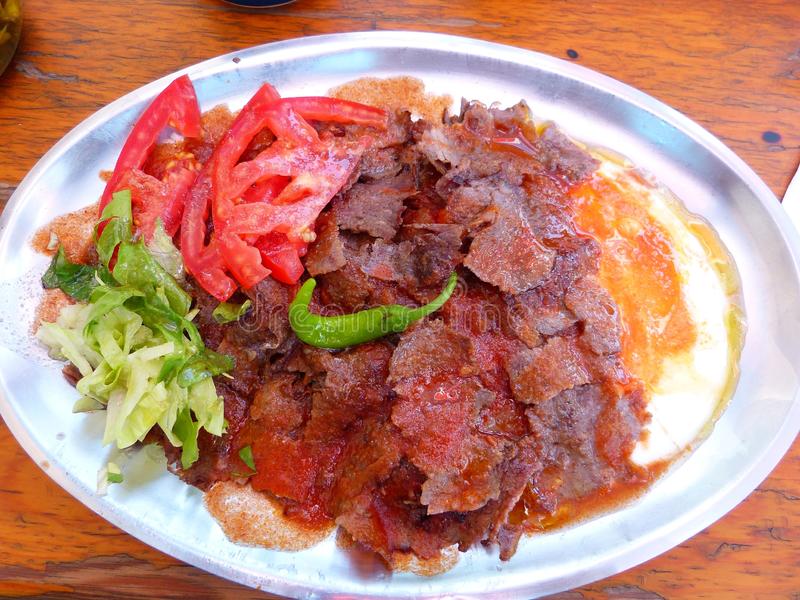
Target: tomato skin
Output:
[(286, 118), (179, 183), (263, 110), (176, 106), (279, 159), (282, 256), (242, 260), (244, 128), (321, 108), (288, 125)]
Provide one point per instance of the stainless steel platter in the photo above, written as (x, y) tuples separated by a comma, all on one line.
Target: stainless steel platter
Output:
[(754, 432)]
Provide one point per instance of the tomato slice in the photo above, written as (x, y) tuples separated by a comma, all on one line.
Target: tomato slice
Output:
[(250, 120), (263, 209), (288, 125), (318, 176), (243, 260), (279, 159), (178, 183), (152, 199), (320, 108), (282, 256), (286, 118), (263, 110), (175, 106), (204, 263)]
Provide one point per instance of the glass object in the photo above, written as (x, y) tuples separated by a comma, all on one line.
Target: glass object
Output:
[(259, 3), (10, 28)]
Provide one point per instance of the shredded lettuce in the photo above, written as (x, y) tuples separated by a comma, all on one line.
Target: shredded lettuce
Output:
[(165, 253), (246, 454), (137, 268), (76, 280), (113, 473), (114, 227), (141, 358), (227, 312)]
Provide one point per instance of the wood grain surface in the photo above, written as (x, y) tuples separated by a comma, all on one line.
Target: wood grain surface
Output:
[(731, 65)]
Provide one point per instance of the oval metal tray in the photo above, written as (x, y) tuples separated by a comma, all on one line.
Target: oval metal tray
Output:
[(749, 439)]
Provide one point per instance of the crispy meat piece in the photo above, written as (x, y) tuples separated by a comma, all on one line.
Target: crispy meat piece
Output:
[(422, 262), (379, 163), (439, 423), (281, 404), (532, 320), (567, 427), (375, 207), (563, 157), (593, 305), (391, 519), (520, 469), (508, 255), (292, 468), (368, 276), (353, 387), (266, 325), (576, 257), (371, 453), (436, 252), (437, 410), (326, 254), (389, 261), (539, 374), (431, 349), (467, 202), (506, 252)]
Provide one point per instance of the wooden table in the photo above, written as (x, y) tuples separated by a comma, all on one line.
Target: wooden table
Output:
[(731, 65)]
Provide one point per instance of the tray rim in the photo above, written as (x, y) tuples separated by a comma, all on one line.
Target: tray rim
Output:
[(761, 467)]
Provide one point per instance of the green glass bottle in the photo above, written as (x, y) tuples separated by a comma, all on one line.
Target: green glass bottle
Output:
[(10, 29)]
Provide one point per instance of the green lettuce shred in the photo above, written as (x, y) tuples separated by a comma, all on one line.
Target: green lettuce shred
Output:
[(76, 280), (113, 473), (227, 312), (140, 357), (246, 454), (165, 253)]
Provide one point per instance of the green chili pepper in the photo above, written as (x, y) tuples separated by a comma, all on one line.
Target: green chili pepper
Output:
[(348, 330)]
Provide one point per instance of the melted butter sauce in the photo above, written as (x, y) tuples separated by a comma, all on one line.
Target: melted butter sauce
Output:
[(638, 267), (537, 517), (677, 292), (661, 264)]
